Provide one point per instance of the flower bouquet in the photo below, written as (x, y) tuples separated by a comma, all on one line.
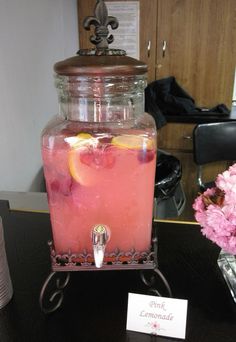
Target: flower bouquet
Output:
[(215, 211)]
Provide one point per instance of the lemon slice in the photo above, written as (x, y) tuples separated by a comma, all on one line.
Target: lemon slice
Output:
[(89, 164), (77, 169), (136, 142), (84, 136), (80, 140)]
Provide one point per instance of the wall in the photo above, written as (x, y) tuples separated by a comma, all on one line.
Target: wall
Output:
[(33, 36)]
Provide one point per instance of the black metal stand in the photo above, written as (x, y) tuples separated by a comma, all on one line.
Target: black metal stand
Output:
[(51, 295), (51, 302)]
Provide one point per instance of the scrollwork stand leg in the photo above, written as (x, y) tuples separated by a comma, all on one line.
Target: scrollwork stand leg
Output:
[(156, 273), (55, 299), (150, 283)]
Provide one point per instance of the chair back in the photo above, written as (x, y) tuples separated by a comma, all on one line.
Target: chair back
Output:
[(213, 142)]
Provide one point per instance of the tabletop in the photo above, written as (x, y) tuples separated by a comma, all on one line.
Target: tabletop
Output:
[(95, 303)]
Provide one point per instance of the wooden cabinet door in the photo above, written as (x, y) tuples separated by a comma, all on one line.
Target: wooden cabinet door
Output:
[(147, 37), (176, 136), (200, 38)]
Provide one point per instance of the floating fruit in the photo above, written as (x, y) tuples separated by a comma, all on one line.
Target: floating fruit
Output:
[(87, 158), (136, 142)]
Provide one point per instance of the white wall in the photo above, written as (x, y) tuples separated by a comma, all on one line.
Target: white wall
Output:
[(34, 34)]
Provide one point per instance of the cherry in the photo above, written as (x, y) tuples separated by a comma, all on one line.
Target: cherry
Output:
[(145, 156)]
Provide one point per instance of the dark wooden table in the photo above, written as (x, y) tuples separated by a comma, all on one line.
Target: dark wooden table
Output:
[(95, 303)]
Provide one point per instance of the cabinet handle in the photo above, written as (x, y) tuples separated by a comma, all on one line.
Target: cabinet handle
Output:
[(187, 137), (164, 45), (149, 48)]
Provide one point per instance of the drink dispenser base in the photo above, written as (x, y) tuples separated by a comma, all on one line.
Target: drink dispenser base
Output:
[(52, 292)]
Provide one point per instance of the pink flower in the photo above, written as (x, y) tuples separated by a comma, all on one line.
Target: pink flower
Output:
[(198, 204), (227, 180), (229, 211), (215, 211)]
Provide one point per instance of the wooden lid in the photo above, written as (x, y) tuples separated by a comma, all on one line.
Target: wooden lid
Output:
[(92, 65)]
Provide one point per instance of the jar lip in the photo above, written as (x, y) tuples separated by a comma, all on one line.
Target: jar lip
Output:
[(103, 86), (100, 66), (99, 78)]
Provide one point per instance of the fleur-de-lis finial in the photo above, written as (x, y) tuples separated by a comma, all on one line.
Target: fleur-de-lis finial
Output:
[(101, 20)]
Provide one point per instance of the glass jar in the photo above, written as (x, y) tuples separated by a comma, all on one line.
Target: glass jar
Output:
[(100, 158)]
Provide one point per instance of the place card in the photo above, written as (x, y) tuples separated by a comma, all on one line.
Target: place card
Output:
[(157, 315)]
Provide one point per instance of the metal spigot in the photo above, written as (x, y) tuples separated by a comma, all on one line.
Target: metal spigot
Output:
[(99, 240)]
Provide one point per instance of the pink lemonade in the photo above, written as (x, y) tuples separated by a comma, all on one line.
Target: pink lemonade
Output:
[(101, 179)]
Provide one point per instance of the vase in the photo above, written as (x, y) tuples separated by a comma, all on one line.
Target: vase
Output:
[(227, 265)]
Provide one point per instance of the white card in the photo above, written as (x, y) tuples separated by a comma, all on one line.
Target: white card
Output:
[(157, 315)]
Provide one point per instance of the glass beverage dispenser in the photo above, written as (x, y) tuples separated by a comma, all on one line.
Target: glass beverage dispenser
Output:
[(100, 158)]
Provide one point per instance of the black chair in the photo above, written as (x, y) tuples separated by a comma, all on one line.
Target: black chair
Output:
[(213, 142)]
